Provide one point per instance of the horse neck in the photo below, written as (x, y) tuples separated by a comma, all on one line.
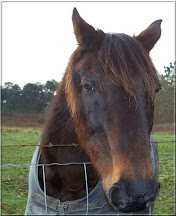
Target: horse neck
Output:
[(59, 129)]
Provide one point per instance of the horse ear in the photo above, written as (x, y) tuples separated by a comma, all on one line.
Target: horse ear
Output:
[(150, 35), (85, 34)]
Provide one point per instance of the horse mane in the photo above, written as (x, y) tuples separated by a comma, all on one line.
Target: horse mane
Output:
[(124, 58)]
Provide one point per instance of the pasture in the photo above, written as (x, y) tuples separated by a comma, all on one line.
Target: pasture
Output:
[(14, 180)]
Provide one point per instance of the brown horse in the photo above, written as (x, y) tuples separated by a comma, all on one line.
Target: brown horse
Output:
[(105, 104)]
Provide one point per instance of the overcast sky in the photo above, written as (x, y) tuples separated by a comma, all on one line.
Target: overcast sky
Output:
[(38, 39)]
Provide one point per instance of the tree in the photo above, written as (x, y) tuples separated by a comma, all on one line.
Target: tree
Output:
[(51, 86), (164, 103), (50, 90), (169, 75), (10, 97), (34, 97)]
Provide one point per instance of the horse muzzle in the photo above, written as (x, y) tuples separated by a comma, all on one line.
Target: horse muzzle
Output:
[(133, 196)]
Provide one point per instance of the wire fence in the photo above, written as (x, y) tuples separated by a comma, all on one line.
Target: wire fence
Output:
[(163, 158), (44, 178), (84, 164), (50, 145)]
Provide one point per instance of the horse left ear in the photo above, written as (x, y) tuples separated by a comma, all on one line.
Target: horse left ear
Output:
[(85, 34), (150, 35)]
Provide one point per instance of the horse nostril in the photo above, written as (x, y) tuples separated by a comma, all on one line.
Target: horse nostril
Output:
[(133, 196), (138, 196), (117, 197), (151, 197), (123, 203)]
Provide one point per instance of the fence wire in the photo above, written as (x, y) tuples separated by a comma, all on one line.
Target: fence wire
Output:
[(50, 145), (163, 158), (84, 164), (44, 179)]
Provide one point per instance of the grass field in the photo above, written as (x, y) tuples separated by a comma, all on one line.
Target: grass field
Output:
[(14, 183)]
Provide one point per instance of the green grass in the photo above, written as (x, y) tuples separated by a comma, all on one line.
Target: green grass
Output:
[(14, 183), (14, 180), (165, 203)]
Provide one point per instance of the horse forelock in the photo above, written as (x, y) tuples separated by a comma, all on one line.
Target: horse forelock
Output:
[(123, 58)]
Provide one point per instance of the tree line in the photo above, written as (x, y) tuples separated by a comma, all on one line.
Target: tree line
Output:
[(34, 98), (165, 98)]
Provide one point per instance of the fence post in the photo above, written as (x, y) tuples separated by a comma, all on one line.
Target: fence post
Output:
[(44, 185), (87, 191)]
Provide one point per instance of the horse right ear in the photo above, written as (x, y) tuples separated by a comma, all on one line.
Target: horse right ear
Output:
[(150, 35), (86, 35)]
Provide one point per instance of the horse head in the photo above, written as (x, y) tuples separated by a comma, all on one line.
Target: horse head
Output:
[(110, 85)]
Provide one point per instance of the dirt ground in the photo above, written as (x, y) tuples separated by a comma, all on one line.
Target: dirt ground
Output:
[(37, 120), (23, 120)]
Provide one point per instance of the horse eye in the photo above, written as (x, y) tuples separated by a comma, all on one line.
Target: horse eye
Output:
[(88, 87), (158, 88)]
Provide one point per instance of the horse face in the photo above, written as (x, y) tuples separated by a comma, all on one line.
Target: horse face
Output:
[(112, 125), (118, 140)]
